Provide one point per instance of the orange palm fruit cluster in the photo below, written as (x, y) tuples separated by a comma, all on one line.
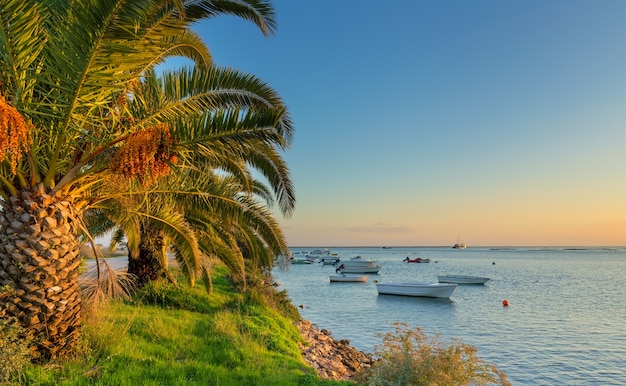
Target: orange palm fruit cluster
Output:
[(14, 133), (146, 155)]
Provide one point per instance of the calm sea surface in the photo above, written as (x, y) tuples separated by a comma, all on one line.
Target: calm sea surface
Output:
[(565, 323)]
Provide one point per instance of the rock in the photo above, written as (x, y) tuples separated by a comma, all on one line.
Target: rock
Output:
[(332, 359)]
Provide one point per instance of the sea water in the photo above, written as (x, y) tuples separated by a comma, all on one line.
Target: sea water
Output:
[(565, 323)]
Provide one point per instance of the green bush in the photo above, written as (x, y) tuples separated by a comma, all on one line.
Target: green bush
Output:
[(14, 349), (407, 357)]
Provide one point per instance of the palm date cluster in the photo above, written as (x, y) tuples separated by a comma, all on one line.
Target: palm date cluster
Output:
[(146, 155)]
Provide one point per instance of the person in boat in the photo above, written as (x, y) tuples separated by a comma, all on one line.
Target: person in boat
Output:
[(339, 268)]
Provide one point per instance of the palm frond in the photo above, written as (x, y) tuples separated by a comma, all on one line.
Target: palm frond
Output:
[(98, 288), (22, 39), (260, 12)]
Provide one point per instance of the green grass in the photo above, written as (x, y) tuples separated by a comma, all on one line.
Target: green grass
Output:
[(183, 336)]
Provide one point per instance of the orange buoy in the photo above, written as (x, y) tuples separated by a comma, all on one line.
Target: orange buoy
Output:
[(505, 303)]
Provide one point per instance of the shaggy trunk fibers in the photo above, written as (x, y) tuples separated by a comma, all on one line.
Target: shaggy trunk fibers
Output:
[(147, 265), (39, 261)]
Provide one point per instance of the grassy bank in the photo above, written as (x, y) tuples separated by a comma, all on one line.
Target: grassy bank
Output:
[(169, 335)]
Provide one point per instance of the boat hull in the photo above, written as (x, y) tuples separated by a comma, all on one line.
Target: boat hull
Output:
[(364, 269), (343, 278), (462, 279), (417, 260), (301, 261), (429, 290)]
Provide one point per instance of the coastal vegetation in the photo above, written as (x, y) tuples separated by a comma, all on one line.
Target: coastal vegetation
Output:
[(179, 335), (91, 135)]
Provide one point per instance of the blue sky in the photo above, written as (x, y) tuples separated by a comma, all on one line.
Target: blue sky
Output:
[(424, 122)]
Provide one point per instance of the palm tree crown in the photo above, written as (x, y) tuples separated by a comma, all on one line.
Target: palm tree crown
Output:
[(72, 76)]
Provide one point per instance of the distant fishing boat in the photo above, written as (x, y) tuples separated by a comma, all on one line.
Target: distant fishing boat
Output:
[(459, 245)]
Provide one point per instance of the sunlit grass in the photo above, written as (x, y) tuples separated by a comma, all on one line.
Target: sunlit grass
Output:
[(168, 335)]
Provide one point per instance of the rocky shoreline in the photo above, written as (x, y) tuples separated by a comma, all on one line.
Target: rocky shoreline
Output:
[(333, 359)]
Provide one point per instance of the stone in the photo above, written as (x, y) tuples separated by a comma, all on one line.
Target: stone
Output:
[(332, 359)]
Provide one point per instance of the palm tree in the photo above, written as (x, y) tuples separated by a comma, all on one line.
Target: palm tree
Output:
[(203, 216), (67, 68), (222, 138)]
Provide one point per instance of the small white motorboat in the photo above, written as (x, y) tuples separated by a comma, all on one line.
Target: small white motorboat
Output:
[(318, 254), (462, 279), (332, 260), (371, 268), (430, 290), (347, 278), (358, 261)]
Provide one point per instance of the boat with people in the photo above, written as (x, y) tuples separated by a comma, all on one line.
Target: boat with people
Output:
[(429, 290), (416, 260), (462, 279), (343, 278)]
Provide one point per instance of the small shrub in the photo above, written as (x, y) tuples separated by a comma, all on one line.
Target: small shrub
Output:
[(408, 357), (14, 349)]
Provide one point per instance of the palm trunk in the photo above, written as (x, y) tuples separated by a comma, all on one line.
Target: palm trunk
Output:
[(147, 265), (39, 260)]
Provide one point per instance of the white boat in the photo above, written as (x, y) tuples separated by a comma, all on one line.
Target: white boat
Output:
[(371, 268), (462, 279), (330, 260), (347, 278), (318, 254), (430, 290), (358, 261)]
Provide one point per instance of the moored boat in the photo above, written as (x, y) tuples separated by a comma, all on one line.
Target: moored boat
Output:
[(416, 260), (319, 253), (347, 278), (430, 290), (300, 261), (330, 260), (358, 261), (462, 279), (371, 268)]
